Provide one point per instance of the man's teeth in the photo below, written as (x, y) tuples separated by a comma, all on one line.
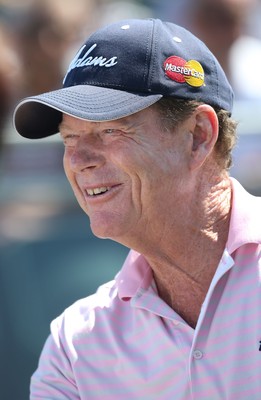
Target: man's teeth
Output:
[(92, 192)]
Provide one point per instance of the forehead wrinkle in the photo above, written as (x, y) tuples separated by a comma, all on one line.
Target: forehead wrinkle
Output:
[(132, 121)]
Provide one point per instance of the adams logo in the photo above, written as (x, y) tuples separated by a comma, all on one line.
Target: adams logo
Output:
[(88, 59), (181, 71)]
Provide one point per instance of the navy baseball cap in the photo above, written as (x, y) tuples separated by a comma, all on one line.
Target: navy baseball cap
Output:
[(124, 68)]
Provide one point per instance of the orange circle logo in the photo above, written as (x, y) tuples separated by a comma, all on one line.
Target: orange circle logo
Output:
[(181, 71)]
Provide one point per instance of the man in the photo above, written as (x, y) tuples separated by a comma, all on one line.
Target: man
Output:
[(144, 115)]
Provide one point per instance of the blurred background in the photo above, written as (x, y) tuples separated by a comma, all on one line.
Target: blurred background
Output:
[(48, 255)]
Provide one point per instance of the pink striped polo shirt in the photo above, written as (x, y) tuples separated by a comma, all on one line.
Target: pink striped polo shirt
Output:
[(125, 343)]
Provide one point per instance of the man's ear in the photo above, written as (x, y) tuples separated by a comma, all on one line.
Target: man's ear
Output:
[(204, 134)]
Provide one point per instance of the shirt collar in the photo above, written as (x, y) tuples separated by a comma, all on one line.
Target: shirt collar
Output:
[(245, 221), (135, 275)]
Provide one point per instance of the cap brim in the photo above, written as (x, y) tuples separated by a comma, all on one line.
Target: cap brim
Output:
[(39, 116)]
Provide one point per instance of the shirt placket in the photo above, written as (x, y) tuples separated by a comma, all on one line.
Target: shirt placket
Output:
[(199, 361)]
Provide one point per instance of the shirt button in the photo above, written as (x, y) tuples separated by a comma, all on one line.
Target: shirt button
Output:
[(197, 354)]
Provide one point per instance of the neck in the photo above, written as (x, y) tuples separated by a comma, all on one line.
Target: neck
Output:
[(184, 265)]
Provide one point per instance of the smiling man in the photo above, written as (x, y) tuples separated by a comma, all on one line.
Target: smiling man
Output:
[(145, 118)]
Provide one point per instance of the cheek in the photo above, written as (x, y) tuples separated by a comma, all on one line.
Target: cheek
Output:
[(145, 166), (66, 165), (125, 160), (71, 178)]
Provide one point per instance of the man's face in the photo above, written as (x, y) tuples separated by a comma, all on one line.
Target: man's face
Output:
[(128, 175)]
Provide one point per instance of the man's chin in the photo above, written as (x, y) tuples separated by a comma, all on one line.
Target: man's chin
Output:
[(111, 232), (104, 230)]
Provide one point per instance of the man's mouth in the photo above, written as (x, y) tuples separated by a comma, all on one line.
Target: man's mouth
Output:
[(97, 191)]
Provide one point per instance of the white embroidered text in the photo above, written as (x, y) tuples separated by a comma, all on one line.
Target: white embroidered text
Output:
[(86, 59)]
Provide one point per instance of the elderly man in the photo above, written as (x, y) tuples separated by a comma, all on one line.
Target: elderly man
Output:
[(145, 117)]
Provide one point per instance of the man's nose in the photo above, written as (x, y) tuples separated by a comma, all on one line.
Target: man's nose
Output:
[(88, 153)]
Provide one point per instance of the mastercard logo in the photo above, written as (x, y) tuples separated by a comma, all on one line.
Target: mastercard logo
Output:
[(181, 71)]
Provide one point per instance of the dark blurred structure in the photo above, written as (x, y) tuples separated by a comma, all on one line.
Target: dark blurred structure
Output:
[(8, 77), (48, 255)]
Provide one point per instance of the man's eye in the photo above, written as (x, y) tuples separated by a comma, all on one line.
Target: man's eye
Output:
[(110, 130), (113, 131)]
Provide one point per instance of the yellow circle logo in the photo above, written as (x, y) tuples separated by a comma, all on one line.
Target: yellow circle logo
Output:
[(196, 76)]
